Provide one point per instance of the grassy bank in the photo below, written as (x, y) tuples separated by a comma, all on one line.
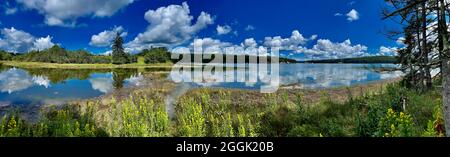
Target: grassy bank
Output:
[(82, 66), (388, 111)]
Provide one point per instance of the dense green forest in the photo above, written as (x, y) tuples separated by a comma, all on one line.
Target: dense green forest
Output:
[(234, 59), (211, 58), (57, 54), (155, 55), (371, 59)]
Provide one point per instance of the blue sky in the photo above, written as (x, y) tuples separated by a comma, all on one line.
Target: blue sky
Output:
[(302, 29)]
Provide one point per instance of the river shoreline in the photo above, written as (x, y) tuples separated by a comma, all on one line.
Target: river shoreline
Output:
[(309, 96)]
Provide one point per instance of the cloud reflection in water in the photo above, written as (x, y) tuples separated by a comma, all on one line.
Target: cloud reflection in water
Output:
[(14, 80)]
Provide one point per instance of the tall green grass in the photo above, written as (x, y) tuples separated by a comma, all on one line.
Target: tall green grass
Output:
[(393, 111)]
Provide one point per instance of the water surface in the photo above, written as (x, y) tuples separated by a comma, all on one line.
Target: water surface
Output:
[(34, 87), (58, 86), (305, 76)]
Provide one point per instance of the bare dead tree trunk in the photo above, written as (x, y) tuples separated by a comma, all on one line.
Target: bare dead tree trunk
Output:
[(440, 43), (426, 66), (419, 55), (445, 67)]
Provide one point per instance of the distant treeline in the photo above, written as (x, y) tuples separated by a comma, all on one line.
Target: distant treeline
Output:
[(212, 58), (372, 59), (57, 54)]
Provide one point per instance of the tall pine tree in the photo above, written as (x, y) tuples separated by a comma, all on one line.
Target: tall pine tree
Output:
[(118, 55)]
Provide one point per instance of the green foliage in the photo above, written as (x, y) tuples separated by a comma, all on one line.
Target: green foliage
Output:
[(5, 55), (57, 54), (224, 113), (430, 131), (64, 122), (11, 126), (140, 60), (216, 118), (277, 123), (367, 123), (435, 127), (191, 122), (155, 55), (325, 119), (68, 122), (137, 118), (419, 107), (395, 125), (118, 53)]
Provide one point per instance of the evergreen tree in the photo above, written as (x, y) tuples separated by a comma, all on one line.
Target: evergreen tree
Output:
[(118, 55), (427, 45)]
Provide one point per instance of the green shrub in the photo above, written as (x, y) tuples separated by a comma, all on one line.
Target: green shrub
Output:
[(190, 119), (155, 55), (140, 60), (367, 123), (435, 127), (304, 130), (277, 123), (137, 118), (57, 54), (395, 125), (10, 126), (5, 55)]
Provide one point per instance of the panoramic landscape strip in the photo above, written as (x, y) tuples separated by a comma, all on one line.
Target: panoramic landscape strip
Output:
[(181, 69)]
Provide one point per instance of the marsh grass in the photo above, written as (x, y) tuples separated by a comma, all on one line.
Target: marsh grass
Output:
[(390, 111)]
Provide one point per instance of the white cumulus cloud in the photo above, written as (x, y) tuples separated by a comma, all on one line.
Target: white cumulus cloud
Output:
[(221, 30), (106, 37), (250, 42), (14, 80), (388, 51), (210, 45), (18, 41), (291, 43), (43, 43), (326, 49), (169, 26), (215, 46), (353, 15), (401, 41), (66, 12)]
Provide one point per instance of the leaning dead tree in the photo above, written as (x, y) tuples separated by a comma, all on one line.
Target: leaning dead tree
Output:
[(425, 35)]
